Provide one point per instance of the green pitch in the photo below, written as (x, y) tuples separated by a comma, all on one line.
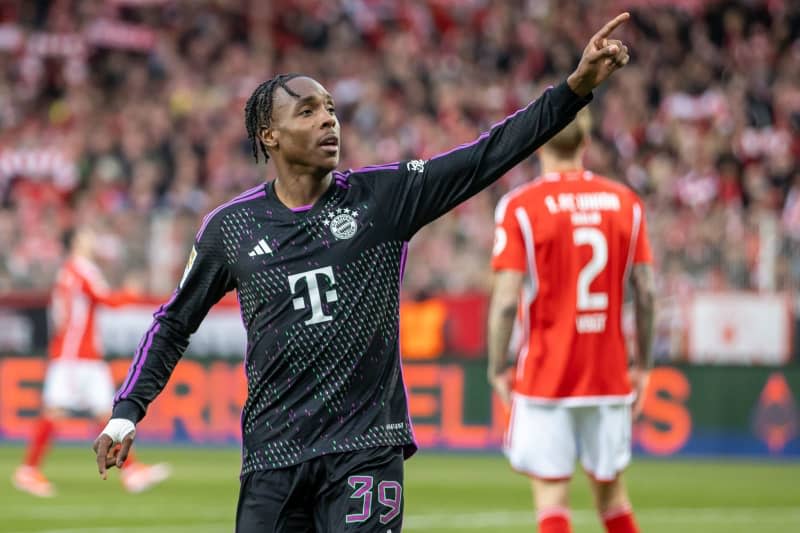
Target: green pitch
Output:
[(444, 494)]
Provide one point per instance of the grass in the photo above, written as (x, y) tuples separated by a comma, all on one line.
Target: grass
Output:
[(445, 493)]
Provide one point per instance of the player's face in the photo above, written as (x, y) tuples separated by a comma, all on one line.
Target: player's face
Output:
[(305, 130)]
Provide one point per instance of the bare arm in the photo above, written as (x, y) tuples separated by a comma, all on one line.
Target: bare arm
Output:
[(206, 279), (502, 310), (644, 291), (644, 301)]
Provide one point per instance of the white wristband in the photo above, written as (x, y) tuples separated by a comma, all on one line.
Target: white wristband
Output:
[(118, 429)]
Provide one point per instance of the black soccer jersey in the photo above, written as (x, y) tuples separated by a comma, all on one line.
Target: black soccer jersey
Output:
[(319, 292)]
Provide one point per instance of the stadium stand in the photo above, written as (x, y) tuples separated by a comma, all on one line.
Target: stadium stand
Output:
[(130, 113)]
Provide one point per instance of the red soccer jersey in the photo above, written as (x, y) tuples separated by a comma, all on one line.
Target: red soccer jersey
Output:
[(79, 288), (575, 235)]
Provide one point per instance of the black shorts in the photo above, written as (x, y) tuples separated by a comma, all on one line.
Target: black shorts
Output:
[(355, 491)]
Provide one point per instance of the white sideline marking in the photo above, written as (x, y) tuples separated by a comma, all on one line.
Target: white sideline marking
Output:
[(211, 527), (676, 515), (71, 512)]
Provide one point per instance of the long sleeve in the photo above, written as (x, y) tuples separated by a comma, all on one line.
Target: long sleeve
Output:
[(417, 192), (206, 279)]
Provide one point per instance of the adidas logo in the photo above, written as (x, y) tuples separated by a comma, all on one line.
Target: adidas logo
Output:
[(260, 249)]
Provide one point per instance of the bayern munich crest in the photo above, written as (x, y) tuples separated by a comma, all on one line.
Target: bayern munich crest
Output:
[(342, 223)]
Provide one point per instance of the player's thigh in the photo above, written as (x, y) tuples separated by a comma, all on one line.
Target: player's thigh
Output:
[(604, 434), (363, 492), (274, 501), (97, 387), (61, 386), (540, 440)]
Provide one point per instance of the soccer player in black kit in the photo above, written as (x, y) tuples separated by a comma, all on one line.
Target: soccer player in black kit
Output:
[(316, 257)]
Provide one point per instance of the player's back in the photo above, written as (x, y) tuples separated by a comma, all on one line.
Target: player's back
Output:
[(579, 233), (78, 286)]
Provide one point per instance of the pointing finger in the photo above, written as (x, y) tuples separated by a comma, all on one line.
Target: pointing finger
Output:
[(610, 26)]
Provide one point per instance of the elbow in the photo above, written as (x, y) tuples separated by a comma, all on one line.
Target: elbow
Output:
[(509, 310), (506, 308), (503, 311), (505, 295)]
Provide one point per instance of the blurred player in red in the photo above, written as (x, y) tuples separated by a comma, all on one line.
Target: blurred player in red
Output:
[(565, 245), (78, 379)]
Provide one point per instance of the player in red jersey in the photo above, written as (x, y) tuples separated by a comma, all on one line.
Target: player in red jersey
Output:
[(77, 379), (565, 245)]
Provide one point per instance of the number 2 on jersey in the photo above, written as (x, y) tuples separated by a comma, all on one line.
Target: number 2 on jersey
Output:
[(586, 300)]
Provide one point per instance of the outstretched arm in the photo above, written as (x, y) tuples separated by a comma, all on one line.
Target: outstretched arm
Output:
[(204, 282), (418, 192)]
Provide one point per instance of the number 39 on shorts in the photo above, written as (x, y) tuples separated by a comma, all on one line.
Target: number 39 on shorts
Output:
[(389, 498)]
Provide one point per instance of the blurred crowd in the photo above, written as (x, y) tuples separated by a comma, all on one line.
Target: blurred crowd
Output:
[(129, 114)]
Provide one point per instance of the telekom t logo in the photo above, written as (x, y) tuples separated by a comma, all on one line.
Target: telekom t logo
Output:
[(314, 295)]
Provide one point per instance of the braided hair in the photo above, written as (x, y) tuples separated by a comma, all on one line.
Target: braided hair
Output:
[(258, 111)]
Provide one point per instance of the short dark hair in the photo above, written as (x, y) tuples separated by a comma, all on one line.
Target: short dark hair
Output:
[(258, 110)]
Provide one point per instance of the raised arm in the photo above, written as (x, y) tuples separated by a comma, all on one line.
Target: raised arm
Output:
[(418, 192), (205, 280)]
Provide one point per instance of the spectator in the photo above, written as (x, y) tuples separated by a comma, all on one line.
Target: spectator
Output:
[(131, 111)]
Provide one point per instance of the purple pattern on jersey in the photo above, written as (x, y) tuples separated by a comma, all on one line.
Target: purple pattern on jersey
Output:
[(140, 357), (485, 134), (403, 257), (322, 308), (252, 194), (342, 179), (373, 168), (139, 361)]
